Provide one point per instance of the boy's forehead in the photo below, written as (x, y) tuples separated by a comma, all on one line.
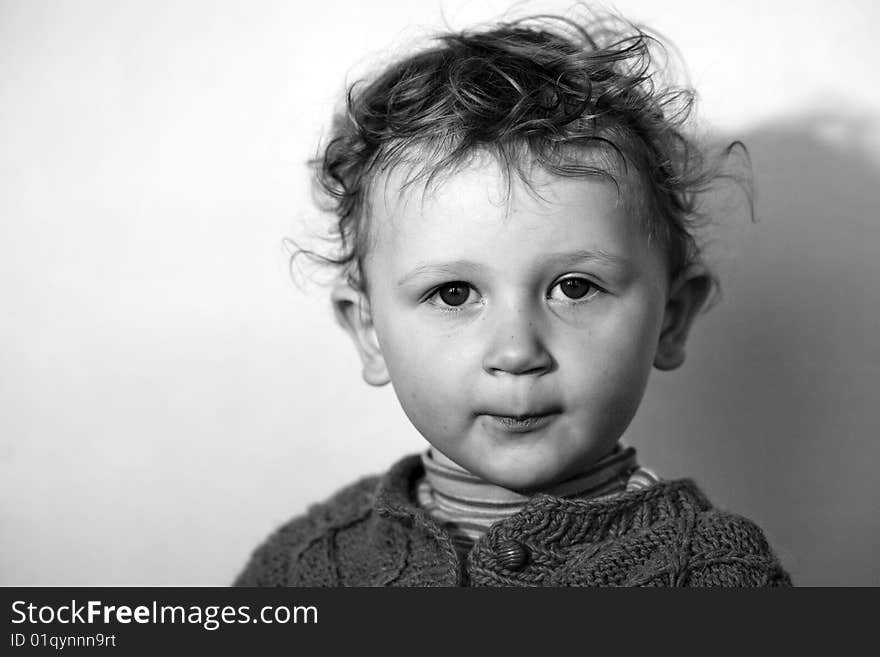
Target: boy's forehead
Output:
[(400, 198), (407, 190)]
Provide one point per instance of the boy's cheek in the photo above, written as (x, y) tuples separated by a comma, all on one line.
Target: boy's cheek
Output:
[(434, 410)]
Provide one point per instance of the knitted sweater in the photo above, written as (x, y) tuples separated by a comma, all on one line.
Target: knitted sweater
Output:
[(372, 533)]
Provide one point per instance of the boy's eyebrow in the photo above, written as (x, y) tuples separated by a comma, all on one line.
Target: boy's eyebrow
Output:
[(457, 268), (601, 257), (453, 268)]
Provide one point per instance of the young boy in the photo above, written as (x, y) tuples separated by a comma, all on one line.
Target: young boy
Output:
[(515, 210)]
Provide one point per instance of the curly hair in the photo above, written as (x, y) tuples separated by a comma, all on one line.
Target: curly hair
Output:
[(577, 100)]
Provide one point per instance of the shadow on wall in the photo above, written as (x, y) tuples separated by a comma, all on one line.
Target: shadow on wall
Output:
[(777, 411)]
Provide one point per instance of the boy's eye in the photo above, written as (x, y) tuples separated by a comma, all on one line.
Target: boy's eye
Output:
[(575, 287), (453, 294)]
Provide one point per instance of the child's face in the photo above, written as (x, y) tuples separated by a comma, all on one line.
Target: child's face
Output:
[(518, 332)]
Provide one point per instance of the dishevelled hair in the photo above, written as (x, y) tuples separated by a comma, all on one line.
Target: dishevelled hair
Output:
[(575, 99)]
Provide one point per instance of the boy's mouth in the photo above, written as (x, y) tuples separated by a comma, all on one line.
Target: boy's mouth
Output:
[(521, 423)]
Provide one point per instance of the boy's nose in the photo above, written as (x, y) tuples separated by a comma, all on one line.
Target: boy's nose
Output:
[(516, 347)]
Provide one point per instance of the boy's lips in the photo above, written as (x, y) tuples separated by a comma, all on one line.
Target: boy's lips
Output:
[(520, 423)]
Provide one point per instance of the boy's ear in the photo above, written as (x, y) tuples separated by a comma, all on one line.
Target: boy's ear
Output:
[(352, 310), (687, 295)]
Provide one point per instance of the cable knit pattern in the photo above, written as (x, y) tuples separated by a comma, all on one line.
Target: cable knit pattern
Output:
[(373, 534)]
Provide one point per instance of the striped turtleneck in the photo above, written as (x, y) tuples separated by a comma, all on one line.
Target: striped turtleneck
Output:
[(466, 506)]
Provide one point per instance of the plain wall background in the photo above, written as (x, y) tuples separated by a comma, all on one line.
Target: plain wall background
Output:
[(168, 396)]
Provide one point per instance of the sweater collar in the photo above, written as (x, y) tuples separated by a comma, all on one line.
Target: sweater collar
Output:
[(395, 494)]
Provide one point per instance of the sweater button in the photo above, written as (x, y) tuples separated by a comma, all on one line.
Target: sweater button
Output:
[(512, 555)]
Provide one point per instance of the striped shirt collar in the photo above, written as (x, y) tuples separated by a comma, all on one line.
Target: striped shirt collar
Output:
[(466, 505)]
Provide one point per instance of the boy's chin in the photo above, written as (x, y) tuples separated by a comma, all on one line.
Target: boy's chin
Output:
[(536, 475), (526, 482)]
